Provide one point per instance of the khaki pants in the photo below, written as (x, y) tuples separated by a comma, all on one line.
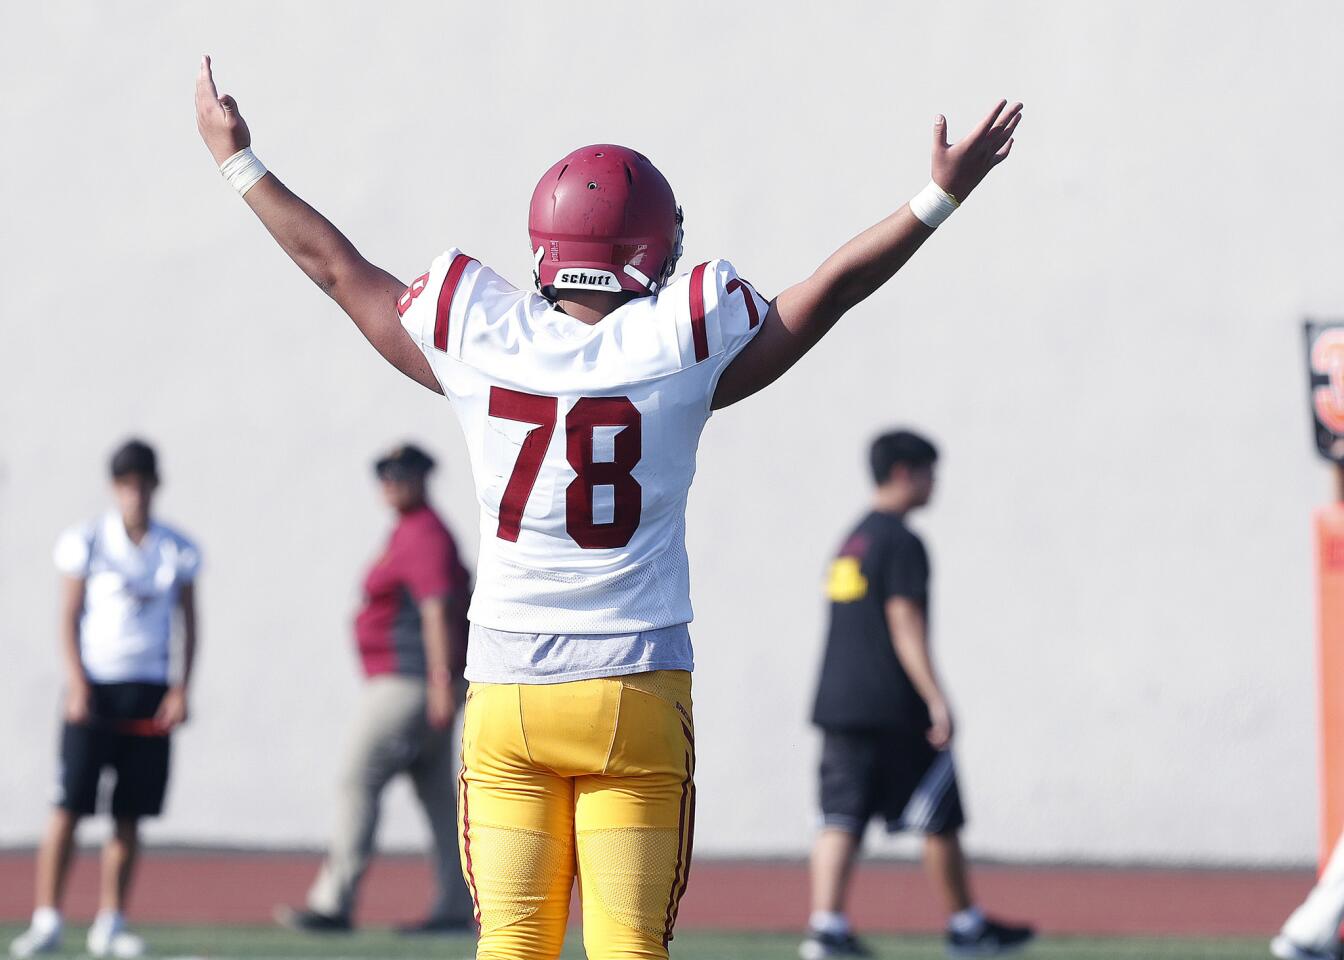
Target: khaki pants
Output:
[(392, 736)]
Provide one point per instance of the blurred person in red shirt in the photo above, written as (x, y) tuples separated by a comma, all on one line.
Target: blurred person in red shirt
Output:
[(412, 636)]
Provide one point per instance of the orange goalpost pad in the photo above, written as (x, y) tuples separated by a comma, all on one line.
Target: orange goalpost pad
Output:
[(1329, 524)]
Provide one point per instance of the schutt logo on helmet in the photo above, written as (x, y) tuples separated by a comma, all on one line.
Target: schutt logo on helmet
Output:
[(583, 279), (604, 218)]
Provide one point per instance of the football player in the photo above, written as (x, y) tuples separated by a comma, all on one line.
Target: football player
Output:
[(582, 402)]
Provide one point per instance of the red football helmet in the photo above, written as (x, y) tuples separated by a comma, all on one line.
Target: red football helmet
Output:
[(604, 218)]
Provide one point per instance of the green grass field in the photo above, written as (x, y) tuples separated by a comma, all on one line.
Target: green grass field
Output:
[(219, 943)]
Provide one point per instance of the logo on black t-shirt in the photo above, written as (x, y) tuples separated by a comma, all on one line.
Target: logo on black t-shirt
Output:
[(845, 583)]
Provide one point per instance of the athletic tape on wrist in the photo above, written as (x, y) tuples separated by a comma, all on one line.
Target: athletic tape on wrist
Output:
[(242, 170), (932, 205)]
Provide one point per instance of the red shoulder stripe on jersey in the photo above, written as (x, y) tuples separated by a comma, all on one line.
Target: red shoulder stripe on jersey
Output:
[(446, 292), (753, 315), (698, 313)]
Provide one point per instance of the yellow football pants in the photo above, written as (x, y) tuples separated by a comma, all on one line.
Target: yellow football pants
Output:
[(594, 778)]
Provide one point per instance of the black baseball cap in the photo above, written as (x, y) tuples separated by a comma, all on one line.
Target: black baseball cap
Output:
[(403, 462), (135, 458)]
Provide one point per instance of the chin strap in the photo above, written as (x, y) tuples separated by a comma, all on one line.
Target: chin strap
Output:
[(650, 285), (670, 267)]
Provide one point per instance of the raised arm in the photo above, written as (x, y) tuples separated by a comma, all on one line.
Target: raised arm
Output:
[(366, 292), (800, 316)]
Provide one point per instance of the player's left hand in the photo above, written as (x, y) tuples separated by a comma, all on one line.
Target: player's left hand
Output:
[(221, 126), (958, 168), (172, 712)]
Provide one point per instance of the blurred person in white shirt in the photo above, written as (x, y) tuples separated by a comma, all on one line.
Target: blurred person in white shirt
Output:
[(124, 578)]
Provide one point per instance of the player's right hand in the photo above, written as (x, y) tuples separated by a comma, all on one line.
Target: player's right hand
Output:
[(439, 706), (77, 704), (940, 725), (959, 167), (222, 127)]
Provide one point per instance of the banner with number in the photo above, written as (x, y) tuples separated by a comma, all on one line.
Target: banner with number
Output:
[(1325, 378)]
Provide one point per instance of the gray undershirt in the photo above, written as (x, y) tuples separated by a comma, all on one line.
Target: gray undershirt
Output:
[(502, 656)]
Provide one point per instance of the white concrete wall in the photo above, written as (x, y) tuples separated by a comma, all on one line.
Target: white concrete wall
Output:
[(1105, 342)]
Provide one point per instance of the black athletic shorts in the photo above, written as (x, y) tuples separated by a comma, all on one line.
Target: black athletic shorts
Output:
[(112, 740), (891, 773)]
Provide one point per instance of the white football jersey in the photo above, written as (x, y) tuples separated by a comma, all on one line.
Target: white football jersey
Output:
[(130, 593), (582, 437)]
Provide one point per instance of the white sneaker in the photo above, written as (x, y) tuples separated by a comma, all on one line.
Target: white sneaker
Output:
[(36, 940), (1285, 949), (110, 938)]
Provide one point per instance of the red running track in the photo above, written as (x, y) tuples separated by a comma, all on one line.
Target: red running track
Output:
[(185, 886)]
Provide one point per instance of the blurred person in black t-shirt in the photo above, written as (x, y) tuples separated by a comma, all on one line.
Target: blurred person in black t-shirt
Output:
[(885, 720)]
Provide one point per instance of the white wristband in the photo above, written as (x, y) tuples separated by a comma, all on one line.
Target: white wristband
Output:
[(242, 170), (932, 205)]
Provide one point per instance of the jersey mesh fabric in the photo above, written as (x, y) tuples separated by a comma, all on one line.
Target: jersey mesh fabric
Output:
[(556, 413), (663, 684), (643, 596), (637, 900), (525, 866)]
